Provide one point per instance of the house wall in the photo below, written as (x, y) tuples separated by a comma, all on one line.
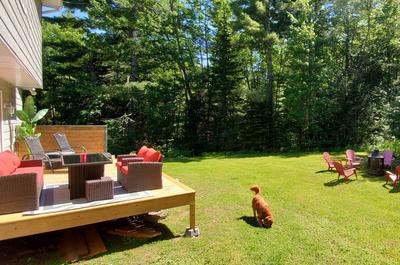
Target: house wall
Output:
[(20, 30), (10, 94), (21, 59)]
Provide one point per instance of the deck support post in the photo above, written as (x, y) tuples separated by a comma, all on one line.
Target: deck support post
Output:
[(193, 230)]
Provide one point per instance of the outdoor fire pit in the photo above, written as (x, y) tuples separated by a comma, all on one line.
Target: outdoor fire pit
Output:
[(375, 163)]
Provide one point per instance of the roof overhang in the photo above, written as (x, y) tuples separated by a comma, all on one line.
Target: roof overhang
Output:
[(52, 5), (13, 71)]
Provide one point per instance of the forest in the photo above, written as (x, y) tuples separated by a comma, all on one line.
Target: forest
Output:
[(226, 75)]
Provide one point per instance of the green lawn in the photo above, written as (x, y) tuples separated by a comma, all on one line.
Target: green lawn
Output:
[(317, 219)]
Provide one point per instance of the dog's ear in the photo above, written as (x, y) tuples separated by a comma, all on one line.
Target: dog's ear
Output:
[(255, 188)]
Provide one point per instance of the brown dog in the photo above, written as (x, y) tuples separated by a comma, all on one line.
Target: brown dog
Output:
[(264, 214)]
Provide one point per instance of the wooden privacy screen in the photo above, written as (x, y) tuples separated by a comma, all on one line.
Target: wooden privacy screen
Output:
[(93, 137)]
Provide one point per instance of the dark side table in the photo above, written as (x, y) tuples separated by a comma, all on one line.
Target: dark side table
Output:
[(82, 168)]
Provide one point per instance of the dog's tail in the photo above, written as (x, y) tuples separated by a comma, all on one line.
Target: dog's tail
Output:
[(256, 189)]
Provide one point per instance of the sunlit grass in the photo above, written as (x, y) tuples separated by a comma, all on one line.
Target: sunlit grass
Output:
[(318, 220)]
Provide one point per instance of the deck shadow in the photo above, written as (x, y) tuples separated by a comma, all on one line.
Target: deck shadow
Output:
[(117, 244), (29, 249), (36, 248)]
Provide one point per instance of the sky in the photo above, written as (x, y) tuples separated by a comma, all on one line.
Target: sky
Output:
[(77, 13)]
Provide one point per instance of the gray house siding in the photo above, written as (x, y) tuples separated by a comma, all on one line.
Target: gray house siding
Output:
[(21, 65), (20, 30), (10, 95)]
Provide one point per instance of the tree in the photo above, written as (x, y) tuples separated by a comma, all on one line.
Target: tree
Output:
[(224, 91)]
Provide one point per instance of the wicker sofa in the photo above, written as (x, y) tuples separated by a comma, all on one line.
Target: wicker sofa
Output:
[(21, 183), (141, 171)]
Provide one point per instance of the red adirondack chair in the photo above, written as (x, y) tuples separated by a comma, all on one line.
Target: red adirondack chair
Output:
[(328, 160), (352, 159), (388, 158), (346, 173), (395, 178)]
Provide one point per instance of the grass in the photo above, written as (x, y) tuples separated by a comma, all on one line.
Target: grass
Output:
[(318, 220)]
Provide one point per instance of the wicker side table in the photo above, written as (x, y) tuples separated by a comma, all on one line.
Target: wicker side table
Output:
[(99, 189)]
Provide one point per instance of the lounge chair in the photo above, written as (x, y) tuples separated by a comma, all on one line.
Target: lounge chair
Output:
[(346, 173), (63, 144), (395, 178), (328, 160), (353, 160), (51, 159), (388, 158)]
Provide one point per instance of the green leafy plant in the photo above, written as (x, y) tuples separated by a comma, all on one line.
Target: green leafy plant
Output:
[(29, 117)]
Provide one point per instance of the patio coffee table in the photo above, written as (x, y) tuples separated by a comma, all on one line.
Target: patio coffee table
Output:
[(81, 169)]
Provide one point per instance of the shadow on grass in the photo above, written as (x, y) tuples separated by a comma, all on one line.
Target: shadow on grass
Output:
[(117, 244), (228, 155), (336, 182), (391, 188), (37, 248), (250, 220), (28, 249), (325, 171)]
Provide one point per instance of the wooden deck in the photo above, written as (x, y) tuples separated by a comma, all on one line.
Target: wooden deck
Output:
[(173, 194)]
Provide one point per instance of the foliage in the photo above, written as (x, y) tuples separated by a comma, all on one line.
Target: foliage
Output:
[(219, 75), (29, 117)]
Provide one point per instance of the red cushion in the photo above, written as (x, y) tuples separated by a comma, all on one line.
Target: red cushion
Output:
[(37, 170), (142, 151), (6, 164), (14, 158), (124, 170), (152, 156), (118, 164)]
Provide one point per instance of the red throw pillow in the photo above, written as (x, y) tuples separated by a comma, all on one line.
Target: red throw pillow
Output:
[(6, 164), (152, 156), (14, 158), (142, 151)]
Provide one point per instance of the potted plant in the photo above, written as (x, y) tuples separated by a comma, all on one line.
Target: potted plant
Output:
[(29, 117)]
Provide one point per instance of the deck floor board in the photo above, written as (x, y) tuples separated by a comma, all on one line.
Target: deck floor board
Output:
[(173, 194)]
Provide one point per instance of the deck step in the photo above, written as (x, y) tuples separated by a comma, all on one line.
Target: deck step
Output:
[(94, 242), (80, 242), (67, 245)]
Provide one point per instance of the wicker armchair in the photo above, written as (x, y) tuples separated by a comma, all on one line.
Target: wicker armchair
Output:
[(20, 191), (140, 176), (141, 171)]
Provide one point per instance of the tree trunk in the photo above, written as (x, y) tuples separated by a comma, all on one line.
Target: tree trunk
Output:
[(270, 78)]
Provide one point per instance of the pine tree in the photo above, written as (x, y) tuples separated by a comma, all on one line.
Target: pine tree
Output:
[(225, 79)]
